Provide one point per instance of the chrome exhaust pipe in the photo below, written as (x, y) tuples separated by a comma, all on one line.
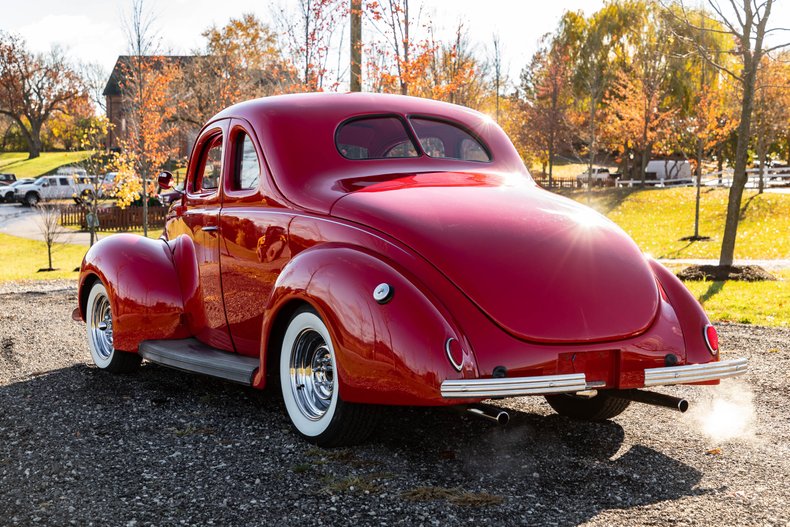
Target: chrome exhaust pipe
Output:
[(499, 416), (653, 398)]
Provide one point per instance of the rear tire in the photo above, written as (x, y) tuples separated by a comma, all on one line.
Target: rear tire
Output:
[(598, 408), (98, 321), (310, 386)]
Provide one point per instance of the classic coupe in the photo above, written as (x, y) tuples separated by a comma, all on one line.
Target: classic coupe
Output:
[(364, 249)]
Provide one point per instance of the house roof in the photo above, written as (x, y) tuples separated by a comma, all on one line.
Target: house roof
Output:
[(113, 86)]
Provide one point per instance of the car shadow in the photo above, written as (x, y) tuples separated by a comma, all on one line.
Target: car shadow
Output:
[(188, 431)]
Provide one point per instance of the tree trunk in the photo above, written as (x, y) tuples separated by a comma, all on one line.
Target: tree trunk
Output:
[(761, 157), (356, 46), (699, 184), (49, 255), (739, 175)]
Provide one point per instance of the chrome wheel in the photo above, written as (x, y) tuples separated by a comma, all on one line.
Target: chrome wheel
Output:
[(312, 374), (310, 385), (101, 326)]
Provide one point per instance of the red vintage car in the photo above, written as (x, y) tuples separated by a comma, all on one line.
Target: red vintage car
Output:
[(365, 250)]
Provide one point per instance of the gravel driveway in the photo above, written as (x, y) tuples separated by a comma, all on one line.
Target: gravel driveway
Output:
[(79, 446)]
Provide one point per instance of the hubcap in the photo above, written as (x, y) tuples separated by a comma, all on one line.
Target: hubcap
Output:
[(312, 374), (101, 326)]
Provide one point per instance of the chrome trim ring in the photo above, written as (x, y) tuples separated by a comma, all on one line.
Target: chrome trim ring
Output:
[(695, 372), (450, 355), (312, 374), (513, 387), (101, 326)]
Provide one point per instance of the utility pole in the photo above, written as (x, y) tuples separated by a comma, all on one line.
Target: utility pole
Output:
[(356, 45)]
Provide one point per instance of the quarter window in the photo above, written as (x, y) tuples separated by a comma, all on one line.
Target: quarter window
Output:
[(375, 138), (248, 168), (208, 178), (444, 140)]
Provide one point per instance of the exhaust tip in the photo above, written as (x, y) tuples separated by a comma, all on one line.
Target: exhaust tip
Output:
[(501, 417), (683, 405)]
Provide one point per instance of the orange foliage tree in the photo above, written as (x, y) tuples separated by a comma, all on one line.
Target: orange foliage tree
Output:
[(636, 118)]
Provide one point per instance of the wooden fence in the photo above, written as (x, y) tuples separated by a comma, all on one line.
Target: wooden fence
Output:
[(114, 218), (556, 182)]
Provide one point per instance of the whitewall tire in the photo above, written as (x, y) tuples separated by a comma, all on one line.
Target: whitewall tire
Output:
[(310, 386), (99, 325)]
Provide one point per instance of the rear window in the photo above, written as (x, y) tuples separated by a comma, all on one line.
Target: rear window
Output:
[(375, 138), (441, 139)]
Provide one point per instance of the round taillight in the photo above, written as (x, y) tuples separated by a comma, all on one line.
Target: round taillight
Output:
[(454, 353), (712, 339)]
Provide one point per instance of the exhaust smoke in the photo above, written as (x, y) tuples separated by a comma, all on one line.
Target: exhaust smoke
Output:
[(728, 413)]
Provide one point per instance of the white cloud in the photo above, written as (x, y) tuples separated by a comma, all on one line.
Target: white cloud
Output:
[(83, 38)]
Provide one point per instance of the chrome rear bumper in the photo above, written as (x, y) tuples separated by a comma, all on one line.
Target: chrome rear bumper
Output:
[(576, 382), (695, 372)]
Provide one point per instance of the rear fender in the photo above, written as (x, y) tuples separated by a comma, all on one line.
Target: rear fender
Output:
[(143, 286), (391, 353), (691, 316)]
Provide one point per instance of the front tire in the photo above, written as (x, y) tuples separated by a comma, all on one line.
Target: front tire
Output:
[(31, 199), (310, 386), (598, 408), (98, 321)]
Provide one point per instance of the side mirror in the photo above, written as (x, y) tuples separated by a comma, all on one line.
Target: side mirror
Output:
[(165, 180)]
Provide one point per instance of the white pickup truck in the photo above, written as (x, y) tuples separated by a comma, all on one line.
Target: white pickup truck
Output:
[(59, 186)]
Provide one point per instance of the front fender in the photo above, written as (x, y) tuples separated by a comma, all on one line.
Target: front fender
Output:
[(143, 286), (390, 353), (691, 316)]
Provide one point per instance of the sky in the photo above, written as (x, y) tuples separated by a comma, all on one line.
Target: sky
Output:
[(92, 30)]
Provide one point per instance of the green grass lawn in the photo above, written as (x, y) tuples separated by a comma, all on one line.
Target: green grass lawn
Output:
[(657, 219), (762, 303), (18, 163), (22, 258)]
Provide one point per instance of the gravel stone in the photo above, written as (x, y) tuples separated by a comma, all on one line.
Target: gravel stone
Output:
[(160, 447)]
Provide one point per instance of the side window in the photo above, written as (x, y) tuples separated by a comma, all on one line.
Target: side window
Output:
[(247, 171), (64, 181), (208, 174)]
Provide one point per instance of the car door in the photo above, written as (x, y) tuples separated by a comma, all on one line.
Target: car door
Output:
[(199, 219), (254, 229)]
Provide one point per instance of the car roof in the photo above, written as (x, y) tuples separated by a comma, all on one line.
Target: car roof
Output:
[(297, 135)]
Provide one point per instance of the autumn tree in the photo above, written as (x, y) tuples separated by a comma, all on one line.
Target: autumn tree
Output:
[(771, 108), (637, 116), (34, 87), (148, 108), (309, 34), (709, 125), (597, 46), (747, 26), (546, 89), (97, 165), (241, 60)]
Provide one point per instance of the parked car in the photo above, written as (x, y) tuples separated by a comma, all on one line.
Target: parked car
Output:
[(7, 179), (7, 193), (50, 187), (601, 176), (320, 247)]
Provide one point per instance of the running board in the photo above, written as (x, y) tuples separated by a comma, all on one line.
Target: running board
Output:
[(193, 356)]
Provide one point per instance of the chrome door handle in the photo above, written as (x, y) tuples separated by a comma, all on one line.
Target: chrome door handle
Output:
[(210, 228)]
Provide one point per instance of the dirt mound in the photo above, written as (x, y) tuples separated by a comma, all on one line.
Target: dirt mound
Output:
[(717, 273)]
